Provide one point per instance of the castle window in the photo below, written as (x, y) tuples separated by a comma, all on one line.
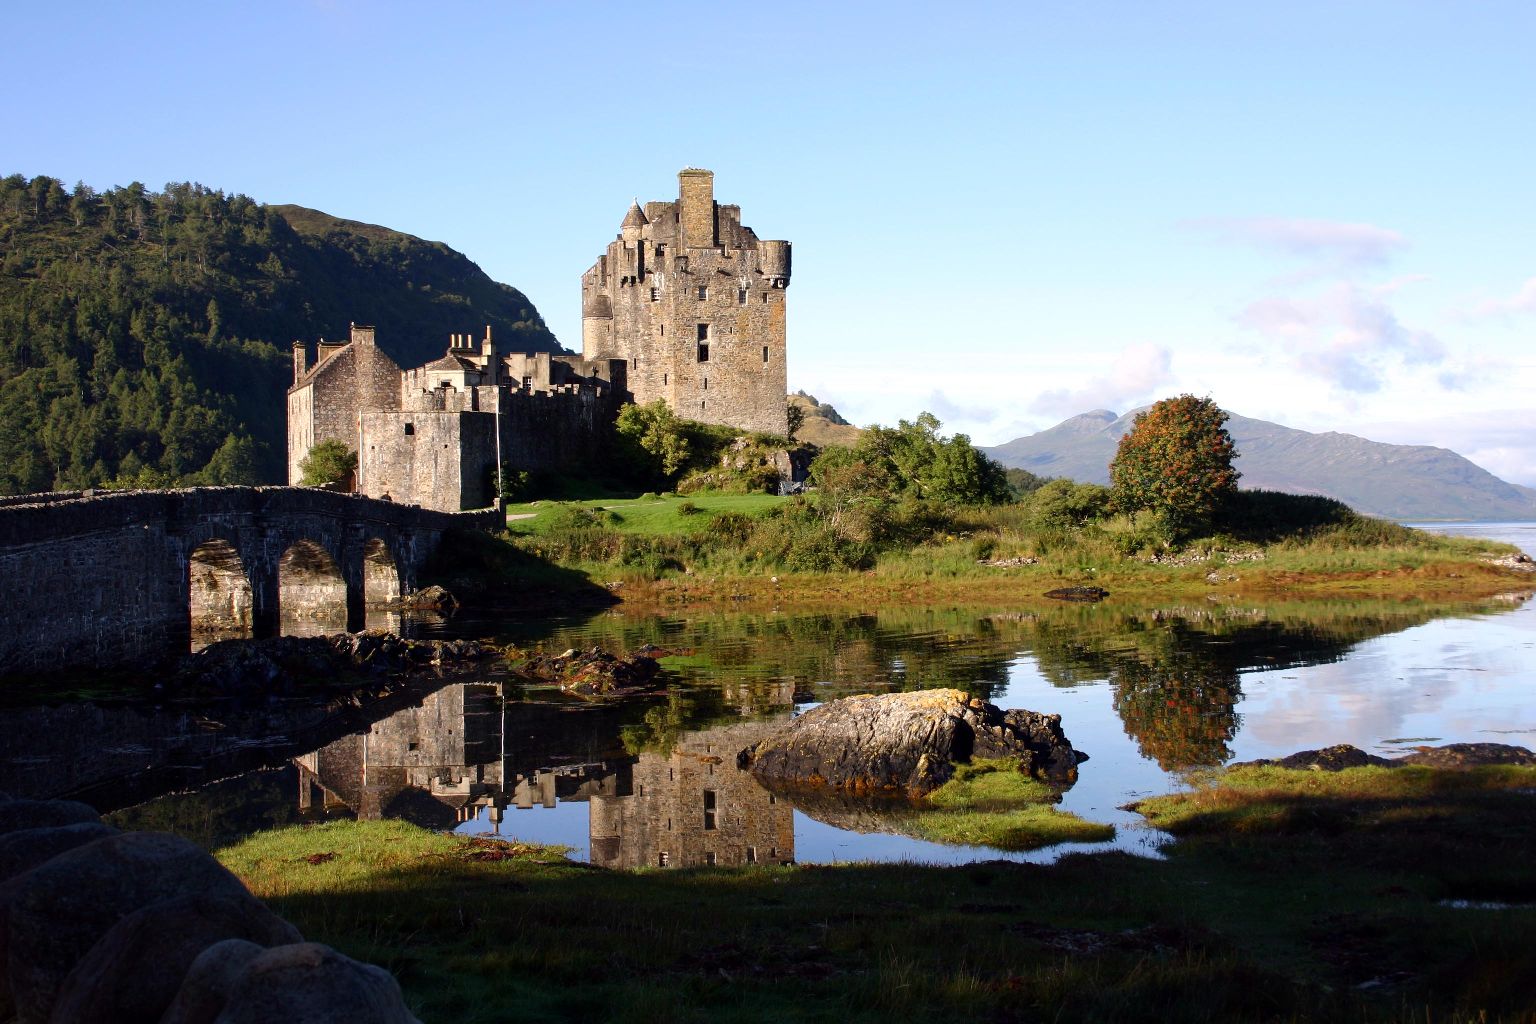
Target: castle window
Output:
[(765, 355), (703, 292), (765, 296), (655, 294), (528, 382), (751, 855), (709, 859), (706, 383), (741, 296), (663, 380), (661, 859), (410, 429), (709, 810)]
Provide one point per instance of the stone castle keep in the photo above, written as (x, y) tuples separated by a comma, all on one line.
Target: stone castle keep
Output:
[(686, 305)]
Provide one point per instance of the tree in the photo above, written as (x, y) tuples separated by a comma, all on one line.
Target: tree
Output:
[(326, 463), (654, 438), (1176, 461)]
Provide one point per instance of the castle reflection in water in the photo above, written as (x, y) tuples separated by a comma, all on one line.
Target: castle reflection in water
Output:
[(466, 753)]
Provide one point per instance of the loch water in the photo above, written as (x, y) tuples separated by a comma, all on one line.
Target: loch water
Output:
[(1151, 694)]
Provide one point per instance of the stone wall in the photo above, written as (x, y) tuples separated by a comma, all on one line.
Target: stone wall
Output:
[(100, 580)]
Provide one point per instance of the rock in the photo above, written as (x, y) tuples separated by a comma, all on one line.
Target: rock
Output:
[(907, 744), (1078, 593), (206, 986), (237, 983), (1468, 755), (433, 598), (135, 970), (1329, 759), (23, 850), (594, 673), (1452, 755), (17, 815), (281, 666), (51, 916)]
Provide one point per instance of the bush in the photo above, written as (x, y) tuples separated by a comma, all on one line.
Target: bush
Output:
[(1068, 505), (327, 463), (688, 508)]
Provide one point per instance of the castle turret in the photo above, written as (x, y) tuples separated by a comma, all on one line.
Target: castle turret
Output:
[(775, 258), (634, 222), (596, 325)]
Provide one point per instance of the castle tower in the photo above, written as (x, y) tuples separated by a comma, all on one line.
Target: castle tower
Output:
[(694, 302)]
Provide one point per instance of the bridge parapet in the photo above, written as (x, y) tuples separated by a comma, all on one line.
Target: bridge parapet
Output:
[(101, 578)]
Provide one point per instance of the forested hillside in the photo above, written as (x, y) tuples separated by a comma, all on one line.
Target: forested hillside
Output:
[(145, 337)]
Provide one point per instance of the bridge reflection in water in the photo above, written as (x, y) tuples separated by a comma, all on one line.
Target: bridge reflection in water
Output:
[(466, 754)]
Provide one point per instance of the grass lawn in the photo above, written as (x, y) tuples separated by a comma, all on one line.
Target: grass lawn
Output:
[(648, 515)]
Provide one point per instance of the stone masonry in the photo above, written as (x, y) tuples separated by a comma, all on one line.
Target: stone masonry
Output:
[(100, 579), (693, 302)]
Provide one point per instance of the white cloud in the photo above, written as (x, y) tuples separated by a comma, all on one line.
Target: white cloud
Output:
[(1314, 240), (1138, 371), (1345, 335), (1522, 301)]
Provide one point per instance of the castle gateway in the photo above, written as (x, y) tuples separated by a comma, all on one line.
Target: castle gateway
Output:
[(693, 302), (687, 305)]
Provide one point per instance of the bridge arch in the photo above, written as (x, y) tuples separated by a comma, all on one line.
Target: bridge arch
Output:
[(311, 588), (381, 574), (220, 599)]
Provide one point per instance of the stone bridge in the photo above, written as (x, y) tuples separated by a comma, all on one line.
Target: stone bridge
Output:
[(95, 579)]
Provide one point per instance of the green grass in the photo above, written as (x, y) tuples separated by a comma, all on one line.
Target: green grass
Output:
[(991, 803), (652, 516)]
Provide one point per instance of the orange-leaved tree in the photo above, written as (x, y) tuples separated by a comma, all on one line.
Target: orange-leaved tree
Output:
[(1176, 462)]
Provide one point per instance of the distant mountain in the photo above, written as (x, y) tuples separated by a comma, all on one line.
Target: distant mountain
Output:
[(1395, 481), (145, 336)]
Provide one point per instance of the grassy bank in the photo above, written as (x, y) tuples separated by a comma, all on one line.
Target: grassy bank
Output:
[(1336, 909), (765, 550)]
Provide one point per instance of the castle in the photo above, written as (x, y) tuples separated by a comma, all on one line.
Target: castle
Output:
[(686, 305)]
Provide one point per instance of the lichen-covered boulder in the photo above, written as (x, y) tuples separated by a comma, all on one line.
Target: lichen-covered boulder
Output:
[(51, 916), (24, 850), (907, 744), (237, 982), (135, 970)]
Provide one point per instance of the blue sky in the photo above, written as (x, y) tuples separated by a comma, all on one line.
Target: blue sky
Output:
[(1315, 213)]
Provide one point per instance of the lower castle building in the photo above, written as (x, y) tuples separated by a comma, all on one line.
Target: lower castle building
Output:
[(686, 305), (434, 435)]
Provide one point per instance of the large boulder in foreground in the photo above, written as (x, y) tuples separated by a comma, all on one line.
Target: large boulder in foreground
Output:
[(136, 969), (237, 982), (51, 916), (907, 744)]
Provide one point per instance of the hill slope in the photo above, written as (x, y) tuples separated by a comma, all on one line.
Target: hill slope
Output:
[(1392, 480), (144, 337), (823, 425)]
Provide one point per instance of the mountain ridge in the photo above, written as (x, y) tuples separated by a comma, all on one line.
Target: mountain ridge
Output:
[(1388, 480)]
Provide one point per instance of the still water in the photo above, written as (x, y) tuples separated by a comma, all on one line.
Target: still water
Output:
[(1151, 694)]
